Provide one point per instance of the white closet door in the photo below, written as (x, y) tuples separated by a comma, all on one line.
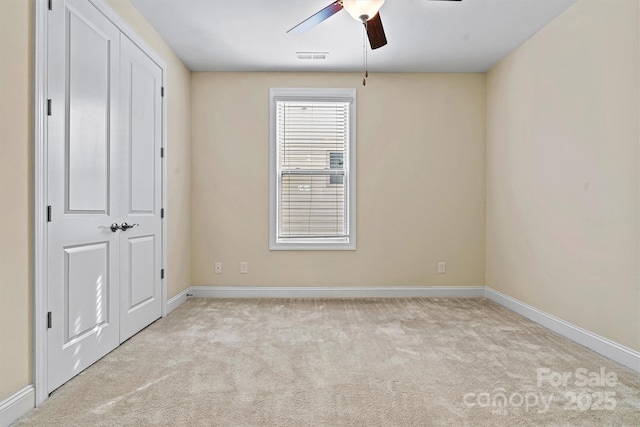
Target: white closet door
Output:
[(141, 245), (83, 275), (104, 172)]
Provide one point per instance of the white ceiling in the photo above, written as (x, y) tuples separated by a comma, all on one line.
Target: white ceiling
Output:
[(423, 35)]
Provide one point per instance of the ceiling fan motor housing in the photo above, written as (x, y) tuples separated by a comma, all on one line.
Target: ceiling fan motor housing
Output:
[(362, 10)]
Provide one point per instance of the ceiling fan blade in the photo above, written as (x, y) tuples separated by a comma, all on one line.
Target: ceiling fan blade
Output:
[(314, 20), (375, 31)]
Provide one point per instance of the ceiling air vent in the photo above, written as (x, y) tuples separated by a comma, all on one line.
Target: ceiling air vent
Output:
[(312, 55)]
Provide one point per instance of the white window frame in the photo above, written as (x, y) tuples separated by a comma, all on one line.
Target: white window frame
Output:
[(321, 94)]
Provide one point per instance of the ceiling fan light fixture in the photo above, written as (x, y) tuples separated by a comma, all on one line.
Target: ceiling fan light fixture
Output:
[(362, 10)]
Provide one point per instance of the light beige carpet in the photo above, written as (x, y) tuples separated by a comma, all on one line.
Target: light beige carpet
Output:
[(334, 362)]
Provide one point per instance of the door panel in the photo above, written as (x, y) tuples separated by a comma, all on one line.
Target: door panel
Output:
[(83, 264), (143, 139), (86, 279), (141, 246), (142, 272), (89, 53)]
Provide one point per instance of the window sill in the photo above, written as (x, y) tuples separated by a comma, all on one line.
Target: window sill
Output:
[(312, 246)]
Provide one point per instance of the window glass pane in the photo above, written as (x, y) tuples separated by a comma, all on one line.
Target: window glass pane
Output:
[(312, 141), (311, 207), (336, 161), (308, 132)]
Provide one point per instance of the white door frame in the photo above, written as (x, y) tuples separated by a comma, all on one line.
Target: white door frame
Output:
[(40, 254)]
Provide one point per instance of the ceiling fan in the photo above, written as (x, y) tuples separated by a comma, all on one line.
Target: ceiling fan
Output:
[(365, 11)]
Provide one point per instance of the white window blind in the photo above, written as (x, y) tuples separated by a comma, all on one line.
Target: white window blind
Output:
[(313, 149)]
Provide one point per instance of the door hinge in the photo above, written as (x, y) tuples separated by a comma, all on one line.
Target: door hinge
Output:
[(162, 213), (49, 322), (48, 107), (49, 213), (50, 4), (161, 151), (162, 273), (162, 91)]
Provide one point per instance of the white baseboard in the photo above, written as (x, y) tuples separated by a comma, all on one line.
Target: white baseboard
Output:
[(336, 292), (614, 351), (17, 405), (177, 301)]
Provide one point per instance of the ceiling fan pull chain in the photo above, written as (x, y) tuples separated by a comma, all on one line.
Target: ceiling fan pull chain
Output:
[(364, 52)]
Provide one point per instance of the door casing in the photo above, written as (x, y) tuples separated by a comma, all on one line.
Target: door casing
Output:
[(40, 255)]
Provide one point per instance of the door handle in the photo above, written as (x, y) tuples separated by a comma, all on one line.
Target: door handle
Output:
[(125, 226)]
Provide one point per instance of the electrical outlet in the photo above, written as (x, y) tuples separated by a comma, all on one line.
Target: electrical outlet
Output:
[(218, 268), (244, 267), (442, 267)]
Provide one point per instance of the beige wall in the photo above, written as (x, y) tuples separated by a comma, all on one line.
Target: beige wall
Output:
[(178, 149), (16, 183), (562, 170), (420, 182)]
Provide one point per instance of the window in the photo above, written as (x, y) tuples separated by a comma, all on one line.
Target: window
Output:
[(312, 169)]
